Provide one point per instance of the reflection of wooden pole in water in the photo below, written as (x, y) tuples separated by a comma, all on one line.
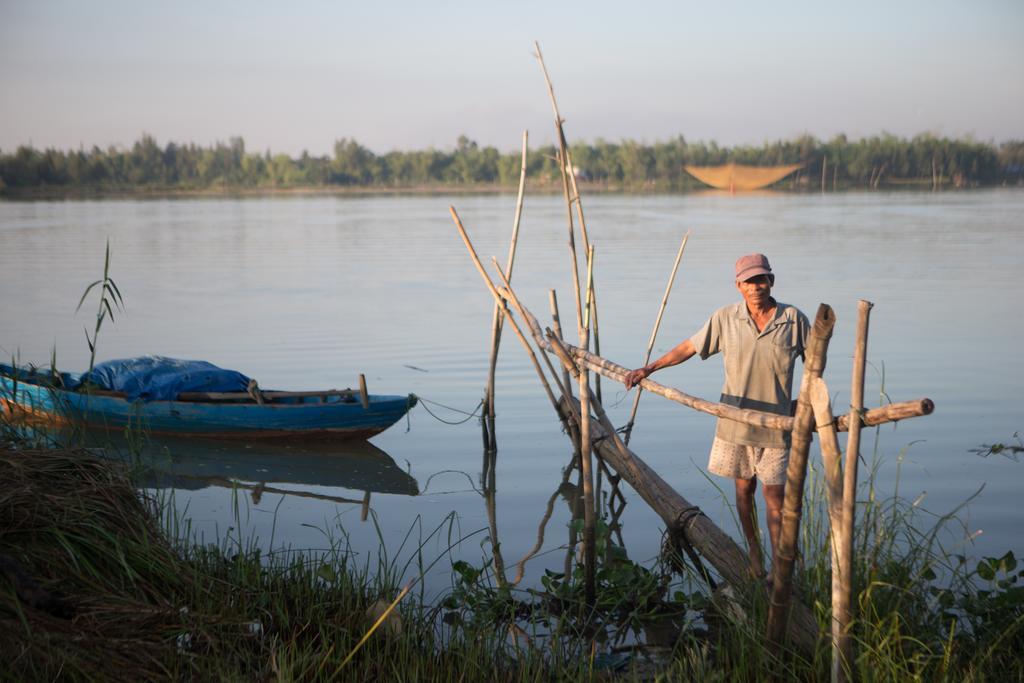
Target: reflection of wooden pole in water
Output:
[(364, 511), (548, 510), (490, 504), (490, 439), (796, 473), (654, 333)]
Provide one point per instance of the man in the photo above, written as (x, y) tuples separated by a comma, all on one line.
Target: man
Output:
[(760, 340)]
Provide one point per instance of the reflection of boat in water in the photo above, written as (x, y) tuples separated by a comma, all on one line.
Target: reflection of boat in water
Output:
[(197, 463)]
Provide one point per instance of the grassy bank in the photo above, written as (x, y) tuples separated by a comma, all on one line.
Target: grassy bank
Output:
[(93, 586)]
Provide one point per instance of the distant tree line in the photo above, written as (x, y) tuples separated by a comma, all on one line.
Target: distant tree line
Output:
[(836, 163)]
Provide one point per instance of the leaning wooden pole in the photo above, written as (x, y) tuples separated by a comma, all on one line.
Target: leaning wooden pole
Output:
[(845, 616), (498, 297), (496, 321), (654, 334), (796, 473)]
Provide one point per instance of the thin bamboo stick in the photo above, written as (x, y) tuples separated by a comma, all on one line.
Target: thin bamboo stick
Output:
[(571, 188), (654, 333), (792, 509), (498, 298), (498, 309), (556, 322), (845, 616), (565, 168)]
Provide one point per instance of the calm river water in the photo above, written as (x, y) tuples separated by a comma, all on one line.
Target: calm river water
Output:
[(308, 292)]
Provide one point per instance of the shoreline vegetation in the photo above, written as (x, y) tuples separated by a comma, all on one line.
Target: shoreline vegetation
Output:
[(148, 169), (98, 579)]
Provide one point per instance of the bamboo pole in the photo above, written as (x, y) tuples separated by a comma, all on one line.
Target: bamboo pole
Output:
[(654, 333), (556, 323), (792, 509), (831, 456), (846, 533), (498, 297), (587, 462), (498, 309), (876, 416)]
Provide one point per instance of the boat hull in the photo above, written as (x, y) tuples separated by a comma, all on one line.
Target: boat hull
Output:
[(331, 419)]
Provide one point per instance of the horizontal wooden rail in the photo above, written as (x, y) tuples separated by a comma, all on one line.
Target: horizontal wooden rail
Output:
[(876, 416)]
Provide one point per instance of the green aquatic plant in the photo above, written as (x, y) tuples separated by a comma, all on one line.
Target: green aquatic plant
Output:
[(109, 299)]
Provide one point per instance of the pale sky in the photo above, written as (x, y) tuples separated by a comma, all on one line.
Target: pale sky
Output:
[(289, 76)]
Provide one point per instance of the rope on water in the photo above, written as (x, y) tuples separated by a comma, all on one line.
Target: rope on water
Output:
[(469, 416)]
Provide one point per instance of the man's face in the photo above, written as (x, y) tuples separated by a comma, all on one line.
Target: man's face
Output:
[(757, 290)]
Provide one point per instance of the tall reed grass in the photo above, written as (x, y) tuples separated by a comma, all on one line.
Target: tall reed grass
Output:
[(99, 582)]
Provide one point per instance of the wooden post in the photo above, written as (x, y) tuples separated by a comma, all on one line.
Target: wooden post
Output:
[(846, 533), (491, 438), (654, 333), (824, 172), (587, 462), (831, 457), (792, 509), (364, 396)]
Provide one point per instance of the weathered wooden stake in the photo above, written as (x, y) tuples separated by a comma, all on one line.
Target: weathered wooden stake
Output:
[(846, 535), (364, 395), (831, 457), (792, 509), (654, 334)]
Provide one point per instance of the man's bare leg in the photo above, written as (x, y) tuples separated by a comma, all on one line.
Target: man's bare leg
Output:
[(745, 489), (774, 495)]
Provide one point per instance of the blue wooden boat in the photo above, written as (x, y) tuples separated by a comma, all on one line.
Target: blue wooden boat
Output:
[(200, 407)]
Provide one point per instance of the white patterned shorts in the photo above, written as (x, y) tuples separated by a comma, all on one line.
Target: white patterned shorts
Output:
[(744, 462)]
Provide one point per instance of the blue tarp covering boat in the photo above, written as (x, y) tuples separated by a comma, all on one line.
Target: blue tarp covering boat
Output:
[(170, 396)]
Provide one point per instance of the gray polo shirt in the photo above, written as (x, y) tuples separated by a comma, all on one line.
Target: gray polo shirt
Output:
[(758, 366)]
